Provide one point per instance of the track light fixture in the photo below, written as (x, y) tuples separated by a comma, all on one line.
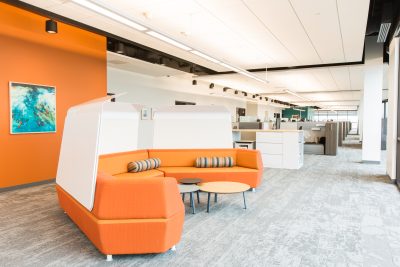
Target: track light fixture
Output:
[(236, 92), (194, 82), (211, 85), (266, 99), (260, 97), (254, 96), (244, 93), (51, 26), (225, 89), (120, 48)]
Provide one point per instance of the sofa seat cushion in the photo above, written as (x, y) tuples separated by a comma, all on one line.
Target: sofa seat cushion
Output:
[(232, 174), (149, 173)]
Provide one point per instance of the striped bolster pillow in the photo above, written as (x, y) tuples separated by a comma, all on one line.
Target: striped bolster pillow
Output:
[(144, 165), (214, 162)]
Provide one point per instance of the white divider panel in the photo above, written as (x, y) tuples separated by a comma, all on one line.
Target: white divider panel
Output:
[(192, 127), (119, 128), (90, 129)]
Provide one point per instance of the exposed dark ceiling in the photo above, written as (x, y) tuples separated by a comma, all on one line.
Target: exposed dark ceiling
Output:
[(381, 11)]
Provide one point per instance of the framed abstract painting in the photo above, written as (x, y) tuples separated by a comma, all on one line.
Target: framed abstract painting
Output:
[(32, 108)]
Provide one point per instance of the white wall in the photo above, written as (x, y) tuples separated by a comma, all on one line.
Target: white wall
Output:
[(263, 109), (157, 91), (393, 85)]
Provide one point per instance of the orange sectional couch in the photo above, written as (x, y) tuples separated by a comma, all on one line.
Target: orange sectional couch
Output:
[(130, 216), (136, 213), (179, 163)]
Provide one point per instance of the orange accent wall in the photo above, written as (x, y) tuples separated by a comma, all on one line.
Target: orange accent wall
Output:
[(74, 61)]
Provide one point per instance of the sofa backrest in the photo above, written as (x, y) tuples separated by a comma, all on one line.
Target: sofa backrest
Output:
[(118, 162), (187, 157)]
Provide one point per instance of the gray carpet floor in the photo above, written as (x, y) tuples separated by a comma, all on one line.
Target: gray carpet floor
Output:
[(334, 211)]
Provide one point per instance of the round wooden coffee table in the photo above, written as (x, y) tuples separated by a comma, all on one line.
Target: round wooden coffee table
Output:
[(223, 188)]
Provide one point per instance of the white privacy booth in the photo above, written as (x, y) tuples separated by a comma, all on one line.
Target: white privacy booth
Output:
[(192, 127), (92, 129)]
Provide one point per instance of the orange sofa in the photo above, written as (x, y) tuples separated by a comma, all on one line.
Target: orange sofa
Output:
[(179, 163), (136, 213), (130, 216)]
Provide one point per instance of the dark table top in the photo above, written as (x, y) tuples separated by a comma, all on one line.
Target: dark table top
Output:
[(190, 180)]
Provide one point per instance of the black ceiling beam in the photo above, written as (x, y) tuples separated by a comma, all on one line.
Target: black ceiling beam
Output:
[(327, 65)]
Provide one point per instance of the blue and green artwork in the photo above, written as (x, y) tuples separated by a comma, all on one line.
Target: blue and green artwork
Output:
[(33, 108)]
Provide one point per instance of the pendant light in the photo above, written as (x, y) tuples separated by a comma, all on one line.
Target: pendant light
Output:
[(51, 26)]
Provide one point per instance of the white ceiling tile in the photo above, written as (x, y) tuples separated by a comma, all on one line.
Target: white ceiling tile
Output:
[(353, 19), (324, 76), (320, 20), (357, 77), (279, 18), (341, 76), (43, 4)]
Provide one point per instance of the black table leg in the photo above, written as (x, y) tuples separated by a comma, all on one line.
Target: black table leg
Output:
[(183, 197), (208, 202), (215, 197), (244, 200), (191, 198), (192, 202), (198, 197)]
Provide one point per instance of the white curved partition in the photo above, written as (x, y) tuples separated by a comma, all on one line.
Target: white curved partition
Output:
[(91, 129), (192, 127)]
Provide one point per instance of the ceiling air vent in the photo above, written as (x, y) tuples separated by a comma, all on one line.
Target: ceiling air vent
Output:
[(386, 21), (383, 32)]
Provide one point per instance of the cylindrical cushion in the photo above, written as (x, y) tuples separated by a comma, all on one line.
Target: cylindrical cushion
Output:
[(187, 157), (126, 198), (118, 162)]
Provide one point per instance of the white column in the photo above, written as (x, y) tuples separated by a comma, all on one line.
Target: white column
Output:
[(372, 101), (360, 119), (393, 83)]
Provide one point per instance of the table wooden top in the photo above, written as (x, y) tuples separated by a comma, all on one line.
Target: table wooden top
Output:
[(187, 188), (224, 187)]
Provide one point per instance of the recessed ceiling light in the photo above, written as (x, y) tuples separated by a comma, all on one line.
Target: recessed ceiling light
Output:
[(229, 67), (168, 40), (204, 56), (110, 14)]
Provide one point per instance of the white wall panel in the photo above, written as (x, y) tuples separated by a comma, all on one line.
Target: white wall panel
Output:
[(192, 127), (91, 129)]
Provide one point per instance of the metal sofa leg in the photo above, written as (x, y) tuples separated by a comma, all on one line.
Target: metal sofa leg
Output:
[(109, 257), (253, 190), (173, 248)]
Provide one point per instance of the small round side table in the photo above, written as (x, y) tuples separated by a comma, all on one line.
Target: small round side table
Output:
[(194, 181)]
